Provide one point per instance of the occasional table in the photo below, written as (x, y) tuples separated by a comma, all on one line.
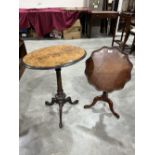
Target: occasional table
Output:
[(107, 70), (55, 57)]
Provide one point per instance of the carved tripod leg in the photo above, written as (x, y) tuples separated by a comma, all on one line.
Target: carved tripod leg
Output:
[(68, 99), (106, 99), (60, 114), (97, 98), (51, 103)]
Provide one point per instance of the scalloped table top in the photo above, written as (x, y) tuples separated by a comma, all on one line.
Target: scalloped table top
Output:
[(108, 69), (54, 57)]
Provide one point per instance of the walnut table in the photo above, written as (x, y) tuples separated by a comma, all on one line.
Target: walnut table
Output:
[(107, 70), (55, 57)]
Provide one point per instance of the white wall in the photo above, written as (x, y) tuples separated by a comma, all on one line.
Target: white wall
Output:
[(125, 5), (119, 10), (50, 3)]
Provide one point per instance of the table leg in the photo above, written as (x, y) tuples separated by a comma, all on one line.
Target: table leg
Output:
[(83, 19), (90, 21), (60, 98), (114, 30), (106, 99), (97, 98), (104, 25), (60, 114), (103, 97), (86, 25)]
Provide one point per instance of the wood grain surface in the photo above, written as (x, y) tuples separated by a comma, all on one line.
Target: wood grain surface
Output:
[(53, 56)]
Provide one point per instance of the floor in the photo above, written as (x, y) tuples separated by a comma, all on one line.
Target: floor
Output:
[(86, 131)]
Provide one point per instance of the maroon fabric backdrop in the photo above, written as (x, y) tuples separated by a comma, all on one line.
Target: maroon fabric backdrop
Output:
[(45, 20)]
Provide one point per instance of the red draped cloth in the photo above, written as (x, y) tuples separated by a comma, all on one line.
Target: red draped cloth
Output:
[(46, 19)]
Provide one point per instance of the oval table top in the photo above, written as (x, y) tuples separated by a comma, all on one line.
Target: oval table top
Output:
[(52, 57)]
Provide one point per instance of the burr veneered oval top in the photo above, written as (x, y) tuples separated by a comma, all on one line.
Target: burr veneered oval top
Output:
[(53, 57), (108, 69)]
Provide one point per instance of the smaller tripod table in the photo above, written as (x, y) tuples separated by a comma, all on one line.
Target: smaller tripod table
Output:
[(55, 57), (107, 69)]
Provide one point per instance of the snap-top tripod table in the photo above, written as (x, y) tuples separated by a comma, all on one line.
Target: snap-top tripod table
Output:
[(55, 57)]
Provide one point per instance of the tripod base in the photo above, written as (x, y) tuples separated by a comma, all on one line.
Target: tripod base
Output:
[(103, 97), (60, 99)]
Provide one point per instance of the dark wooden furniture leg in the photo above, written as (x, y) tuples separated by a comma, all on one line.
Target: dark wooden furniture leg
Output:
[(82, 21), (126, 38), (22, 53), (86, 24), (106, 99), (103, 97), (60, 98), (21, 70), (114, 30), (90, 20), (97, 98), (103, 25)]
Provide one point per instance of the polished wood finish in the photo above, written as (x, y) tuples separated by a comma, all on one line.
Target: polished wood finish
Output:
[(107, 70), (60, 98), (103, 97), (102, 15), (55, 57)]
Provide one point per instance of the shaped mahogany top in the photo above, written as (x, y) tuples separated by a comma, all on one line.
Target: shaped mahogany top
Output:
[(54, 57), (108, 69)]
